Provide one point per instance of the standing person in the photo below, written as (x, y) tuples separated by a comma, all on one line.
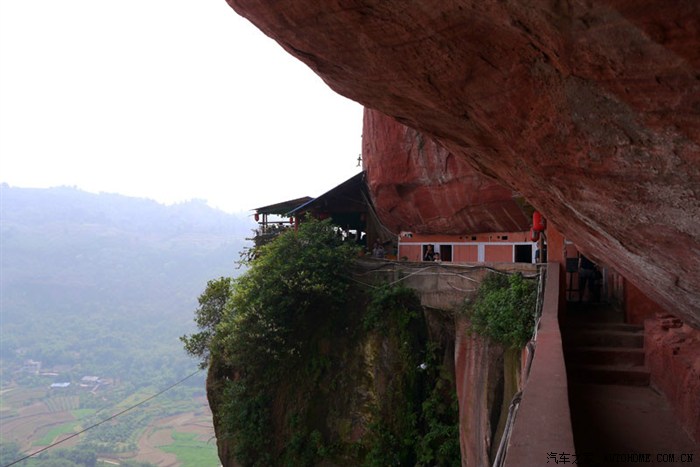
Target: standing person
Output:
[(541, 255), (586, 277), (378, 250), (429, 253), (596, 284)]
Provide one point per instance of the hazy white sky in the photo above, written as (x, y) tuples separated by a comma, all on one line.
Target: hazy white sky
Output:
[(165, 99)]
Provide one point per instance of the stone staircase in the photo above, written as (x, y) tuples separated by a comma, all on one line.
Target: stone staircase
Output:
[(614, 408), (605, 353)]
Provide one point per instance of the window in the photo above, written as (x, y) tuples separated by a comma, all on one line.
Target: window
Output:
[(523, 253), (445, 252)]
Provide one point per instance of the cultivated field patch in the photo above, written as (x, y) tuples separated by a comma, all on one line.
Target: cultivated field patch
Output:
[(50, 436), (190, 451), (184, 440), (33, 423), (42, 417), (63, 403)]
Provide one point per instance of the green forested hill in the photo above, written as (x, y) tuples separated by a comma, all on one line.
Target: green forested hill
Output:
[(77, 267), (102, 285)]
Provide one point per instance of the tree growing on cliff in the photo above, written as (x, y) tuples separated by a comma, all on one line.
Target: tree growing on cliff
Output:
[(298, 279), (212, 303), (286, 380), (504, 309), (288, 299)]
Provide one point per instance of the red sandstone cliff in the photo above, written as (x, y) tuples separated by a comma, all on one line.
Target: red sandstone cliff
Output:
[(590, 110), (417, 185)]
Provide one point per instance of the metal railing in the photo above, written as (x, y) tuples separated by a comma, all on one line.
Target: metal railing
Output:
[(500, 457)]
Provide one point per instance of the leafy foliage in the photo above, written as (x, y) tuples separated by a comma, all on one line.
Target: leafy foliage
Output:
[(290, 295), (439, 444), (209, 314), (9, 452), (391, 307), (73, 457), (298, 279), (395, 312), (245, 415), (418, 422), (278, 356), (504, 309)]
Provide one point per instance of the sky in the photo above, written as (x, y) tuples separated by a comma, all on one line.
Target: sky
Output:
[(170, 100)]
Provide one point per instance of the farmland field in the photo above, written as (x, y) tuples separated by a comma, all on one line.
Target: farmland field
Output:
[(32, 423), (50, 437), (63, 403), (191, 451), (185, 437)]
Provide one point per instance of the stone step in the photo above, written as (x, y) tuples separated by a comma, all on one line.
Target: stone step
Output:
[(606, 356), (610, 374), (603, 338), (623, 327)]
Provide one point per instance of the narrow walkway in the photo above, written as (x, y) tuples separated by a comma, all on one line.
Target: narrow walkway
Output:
[(618, 418)]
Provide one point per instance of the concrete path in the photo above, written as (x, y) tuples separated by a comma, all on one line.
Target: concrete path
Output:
[(612, 422), (619, 424)]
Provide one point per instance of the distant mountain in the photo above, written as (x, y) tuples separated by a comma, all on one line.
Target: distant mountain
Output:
[(66, 205), (76, 267)]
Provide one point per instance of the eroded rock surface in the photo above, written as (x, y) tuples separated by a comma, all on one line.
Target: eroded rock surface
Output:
[(419, 186), (591, 110), (673, 350)]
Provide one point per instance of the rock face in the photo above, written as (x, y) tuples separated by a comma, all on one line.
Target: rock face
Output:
[(419, 186), (590, 110), (479, 366), (367, 400), (673, 350)]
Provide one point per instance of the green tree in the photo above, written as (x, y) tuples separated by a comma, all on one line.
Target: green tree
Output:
[(212, 303), (504, 309), (299, 278), (290, 295), (57, 462), (9, 452)]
